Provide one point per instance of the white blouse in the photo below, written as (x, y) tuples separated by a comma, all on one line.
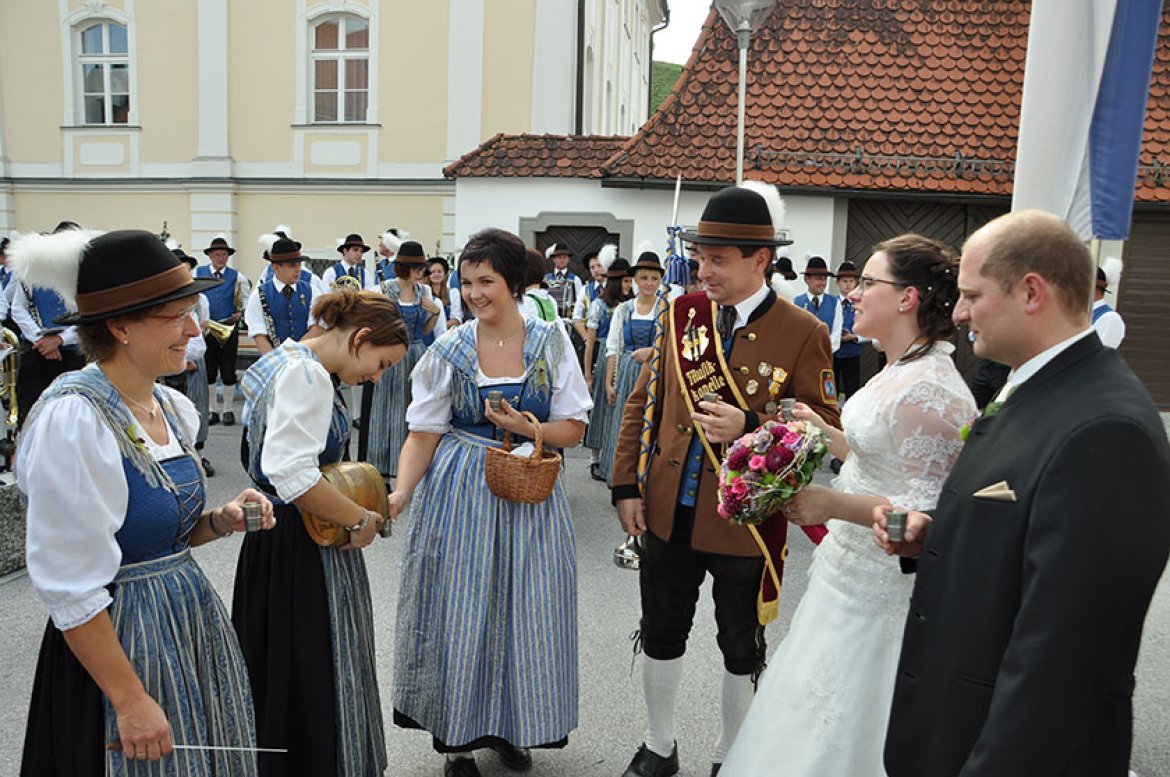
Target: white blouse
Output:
[(628, 309), (69, 467), (430, 409), (298, 427)]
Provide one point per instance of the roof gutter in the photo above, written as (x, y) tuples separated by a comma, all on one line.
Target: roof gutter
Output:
[(580, 101), (664, 18)]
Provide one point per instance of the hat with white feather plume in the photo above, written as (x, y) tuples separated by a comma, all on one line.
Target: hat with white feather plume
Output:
[(614, 265), (748, 215), (647, 258)]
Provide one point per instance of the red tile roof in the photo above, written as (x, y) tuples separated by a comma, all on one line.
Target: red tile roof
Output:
[(887, 95), (547, 156)]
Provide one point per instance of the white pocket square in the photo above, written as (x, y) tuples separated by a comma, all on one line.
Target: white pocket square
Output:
[(998, 492)]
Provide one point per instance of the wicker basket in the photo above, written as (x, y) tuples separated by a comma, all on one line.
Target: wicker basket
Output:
[(356, 480), (518, 479)]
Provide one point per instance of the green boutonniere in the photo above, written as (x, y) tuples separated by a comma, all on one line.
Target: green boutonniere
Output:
[(139, 443), (991, 411)]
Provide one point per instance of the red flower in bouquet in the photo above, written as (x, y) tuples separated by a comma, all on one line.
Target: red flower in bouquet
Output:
[(767, 467)]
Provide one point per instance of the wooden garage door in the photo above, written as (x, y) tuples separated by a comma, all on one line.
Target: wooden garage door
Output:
[(1144, 303), (582, 241), (872, 221)]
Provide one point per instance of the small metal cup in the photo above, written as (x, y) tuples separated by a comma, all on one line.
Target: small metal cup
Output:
[(252, 520), (896, 524), (387, 529), (787, 405), (628, 555), (494, 399), (710, 396)]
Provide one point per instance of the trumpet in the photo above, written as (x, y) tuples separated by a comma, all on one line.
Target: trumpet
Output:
[(346, 282), (9, 365), (220, 332)]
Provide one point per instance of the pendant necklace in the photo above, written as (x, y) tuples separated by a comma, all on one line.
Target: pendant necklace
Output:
[(150, 411)]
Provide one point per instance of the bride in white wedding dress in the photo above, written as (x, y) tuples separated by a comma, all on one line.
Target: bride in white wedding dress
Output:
[(823, 703)]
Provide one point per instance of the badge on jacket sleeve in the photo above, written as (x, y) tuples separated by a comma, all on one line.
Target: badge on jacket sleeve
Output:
[(828, 387)]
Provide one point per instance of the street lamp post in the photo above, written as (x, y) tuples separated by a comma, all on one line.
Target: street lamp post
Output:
[(743, 17)]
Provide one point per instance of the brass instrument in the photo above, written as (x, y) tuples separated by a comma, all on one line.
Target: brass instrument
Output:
[(346, 282), (220, 332)]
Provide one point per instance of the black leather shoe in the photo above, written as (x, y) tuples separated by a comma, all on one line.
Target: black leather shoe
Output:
[(210, 470), (461, 767), (648, 763), (518, 759), (213, 419), (229, 418), (595, 472), (715, 769)]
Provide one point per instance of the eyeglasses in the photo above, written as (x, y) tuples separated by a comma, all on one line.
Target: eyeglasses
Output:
[(179, 318), (865, 282)]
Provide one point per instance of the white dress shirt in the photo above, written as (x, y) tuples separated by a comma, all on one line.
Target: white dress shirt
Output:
[(1110, 326), (330, 275), (838, 320), (22, 314)]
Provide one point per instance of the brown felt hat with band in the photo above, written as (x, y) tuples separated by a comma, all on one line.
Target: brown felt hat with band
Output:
[(736, 216)]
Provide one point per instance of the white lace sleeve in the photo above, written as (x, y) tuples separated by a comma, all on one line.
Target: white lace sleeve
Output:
[(926, 423)]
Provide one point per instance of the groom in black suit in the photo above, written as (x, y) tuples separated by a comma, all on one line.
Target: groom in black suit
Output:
[(1036, 571)]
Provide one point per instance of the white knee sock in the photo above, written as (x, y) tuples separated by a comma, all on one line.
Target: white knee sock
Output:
[(660, 682), (737, 698), (229, 396), (212, 399)]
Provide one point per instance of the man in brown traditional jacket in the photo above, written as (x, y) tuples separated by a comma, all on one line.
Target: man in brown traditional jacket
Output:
[(737, 340)]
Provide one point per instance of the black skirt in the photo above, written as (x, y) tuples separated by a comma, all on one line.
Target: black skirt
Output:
[(281, 613), (66, 717)]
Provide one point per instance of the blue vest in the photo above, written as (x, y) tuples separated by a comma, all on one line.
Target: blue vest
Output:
[(222, 299), (413, 316), (5, 276), (1098, 312), (604, 323), (290, 317), (826, 311), (49, 306), (592, 290), (636, 334), (357, 271), (257, 384), (848, 350)]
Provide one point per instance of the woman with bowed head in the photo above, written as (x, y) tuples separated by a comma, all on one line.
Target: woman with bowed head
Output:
[(303, 611), (384, 403), (115, 502), (824, 701), (486, 645)]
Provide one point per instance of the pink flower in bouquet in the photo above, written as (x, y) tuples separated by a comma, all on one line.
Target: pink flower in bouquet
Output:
[(757, 463), (738, 488), (778, 459), (738, 458), (778, 432), (730, 505), (723, 513), (790, 439)]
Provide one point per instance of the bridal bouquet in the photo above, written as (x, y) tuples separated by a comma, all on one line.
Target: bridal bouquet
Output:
[(767, 467)]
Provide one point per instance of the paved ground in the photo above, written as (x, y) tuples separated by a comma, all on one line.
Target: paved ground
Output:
[(611, 716)]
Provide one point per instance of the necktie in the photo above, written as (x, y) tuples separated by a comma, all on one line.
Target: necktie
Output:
[(353, 272), (219, 274), (726, 322), (287, 292), (816, 302)]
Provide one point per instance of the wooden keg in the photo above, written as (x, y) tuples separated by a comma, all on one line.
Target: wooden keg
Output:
[(358, 480)]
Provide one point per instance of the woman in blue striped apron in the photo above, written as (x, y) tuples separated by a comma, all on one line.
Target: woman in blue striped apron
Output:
[(385, 403), (139, 656), (439, 281), (302, 611), (597, 322), (629, 345), (486, 643)]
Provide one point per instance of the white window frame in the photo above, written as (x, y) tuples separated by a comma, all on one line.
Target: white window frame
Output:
[(96, 12), (309, 18)]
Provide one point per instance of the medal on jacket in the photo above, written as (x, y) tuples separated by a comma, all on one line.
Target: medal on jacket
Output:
[(695, 340)]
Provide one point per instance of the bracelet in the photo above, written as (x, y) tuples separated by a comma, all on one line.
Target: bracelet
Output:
[(214, 528), (363, 523)]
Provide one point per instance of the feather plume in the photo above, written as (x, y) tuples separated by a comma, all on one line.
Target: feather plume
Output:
[(548, 252), (772, 197), (643, 247), (284, 228), (267, 240), (607, 255), (785, 288), (1112, 267), (172, 244), (50, 261), (392, 242)]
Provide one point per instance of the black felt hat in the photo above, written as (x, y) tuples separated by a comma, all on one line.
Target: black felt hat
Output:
[(353, 239), (816, 266), (648, 260), (284, 250), (105, 275), (783, 265), (847, 270), (411, 253), (736, 216), (1102, 281), (219, 242), (557, 249), (619, 268)]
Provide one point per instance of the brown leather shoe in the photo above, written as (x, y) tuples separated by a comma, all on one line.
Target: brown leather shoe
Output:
[(648, 763)]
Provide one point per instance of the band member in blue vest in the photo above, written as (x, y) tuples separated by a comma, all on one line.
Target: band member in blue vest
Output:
[(388, 244), (226, 305), (592, 291), (352, 263), (267, 241), (847, 358), (824, 306), (281, 308), (46, 350), (1107, 321), (563, 284)]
